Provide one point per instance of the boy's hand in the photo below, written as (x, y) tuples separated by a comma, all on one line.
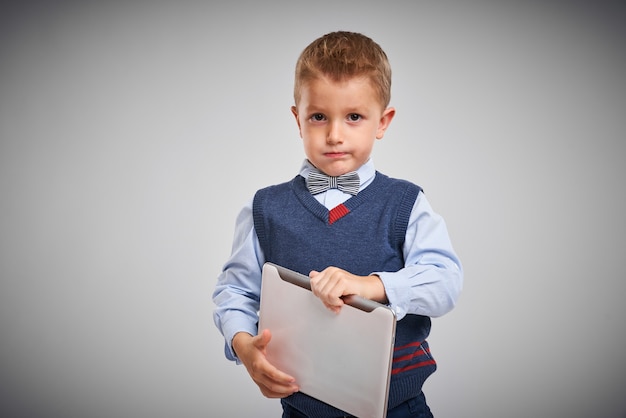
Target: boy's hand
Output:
[(251, 351), (332, 283)]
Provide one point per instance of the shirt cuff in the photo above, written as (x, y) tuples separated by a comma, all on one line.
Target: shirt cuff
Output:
[(395, 294), (233, 327)]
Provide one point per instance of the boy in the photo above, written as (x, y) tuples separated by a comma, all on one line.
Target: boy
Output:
[(375, 236)]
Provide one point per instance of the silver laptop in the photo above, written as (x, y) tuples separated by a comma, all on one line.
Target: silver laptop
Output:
[(342, 359)]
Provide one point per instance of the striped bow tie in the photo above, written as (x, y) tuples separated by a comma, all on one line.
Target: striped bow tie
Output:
[(319, 182)]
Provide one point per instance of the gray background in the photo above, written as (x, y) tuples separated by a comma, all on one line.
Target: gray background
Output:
[(116, 117)]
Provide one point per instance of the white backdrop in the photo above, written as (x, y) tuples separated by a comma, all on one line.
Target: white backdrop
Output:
[(127, 130)]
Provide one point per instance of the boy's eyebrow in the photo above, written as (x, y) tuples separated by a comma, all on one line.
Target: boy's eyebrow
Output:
[(311, 110), (353, 108)]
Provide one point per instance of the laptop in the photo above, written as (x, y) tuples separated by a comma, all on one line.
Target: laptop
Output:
[(342, 359)]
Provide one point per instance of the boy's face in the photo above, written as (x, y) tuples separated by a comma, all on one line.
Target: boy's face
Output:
[(339, 123)]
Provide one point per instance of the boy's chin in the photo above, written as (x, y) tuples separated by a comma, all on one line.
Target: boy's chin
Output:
[(337, 169), (338, 172)]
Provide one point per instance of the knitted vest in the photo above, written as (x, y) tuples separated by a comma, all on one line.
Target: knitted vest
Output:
[(363, 235)]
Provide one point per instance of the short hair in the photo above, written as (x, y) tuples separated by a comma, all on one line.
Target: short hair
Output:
[(343, 55)]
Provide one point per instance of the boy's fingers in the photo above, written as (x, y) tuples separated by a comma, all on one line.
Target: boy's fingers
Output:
[(333, 308), (278, 375), (329, 288), (275, 375), (273, 391), (277, 384)]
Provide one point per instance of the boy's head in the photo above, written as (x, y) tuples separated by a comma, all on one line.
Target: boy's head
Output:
[(340, 56), (342, 91)]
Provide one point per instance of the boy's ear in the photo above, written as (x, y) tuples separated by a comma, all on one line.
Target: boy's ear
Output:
[(294, 110), (385, 120)]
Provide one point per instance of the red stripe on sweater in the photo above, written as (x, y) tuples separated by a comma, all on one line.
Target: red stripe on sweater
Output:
[(413, 366), (419, 353), (414, 344), (337, 212)]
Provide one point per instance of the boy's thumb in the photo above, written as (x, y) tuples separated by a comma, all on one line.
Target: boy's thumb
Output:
[(264, 338)]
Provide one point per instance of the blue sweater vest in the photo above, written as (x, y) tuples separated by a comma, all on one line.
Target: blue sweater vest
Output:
[(363, 235)]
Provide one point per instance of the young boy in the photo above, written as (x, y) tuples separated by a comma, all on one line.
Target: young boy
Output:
[(375, 236)]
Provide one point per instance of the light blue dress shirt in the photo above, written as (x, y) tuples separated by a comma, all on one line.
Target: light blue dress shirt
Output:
[(428, 285)]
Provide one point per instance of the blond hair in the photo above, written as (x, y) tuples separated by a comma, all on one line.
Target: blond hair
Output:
[(341, 56)]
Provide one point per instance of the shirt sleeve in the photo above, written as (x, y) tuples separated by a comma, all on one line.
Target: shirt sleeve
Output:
[(432, 278), (238, 289)]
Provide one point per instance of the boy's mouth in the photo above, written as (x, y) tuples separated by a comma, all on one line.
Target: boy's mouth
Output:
[(334, 154)]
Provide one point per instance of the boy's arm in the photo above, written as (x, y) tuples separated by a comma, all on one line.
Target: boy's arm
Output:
[(432, 279), (428, 285), (236, 297), (237, 292)]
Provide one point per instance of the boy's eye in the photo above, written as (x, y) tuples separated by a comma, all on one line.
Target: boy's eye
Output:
[(354, 117), (318, 117)]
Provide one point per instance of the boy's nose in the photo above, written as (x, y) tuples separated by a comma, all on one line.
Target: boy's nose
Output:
[(334, 134)]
